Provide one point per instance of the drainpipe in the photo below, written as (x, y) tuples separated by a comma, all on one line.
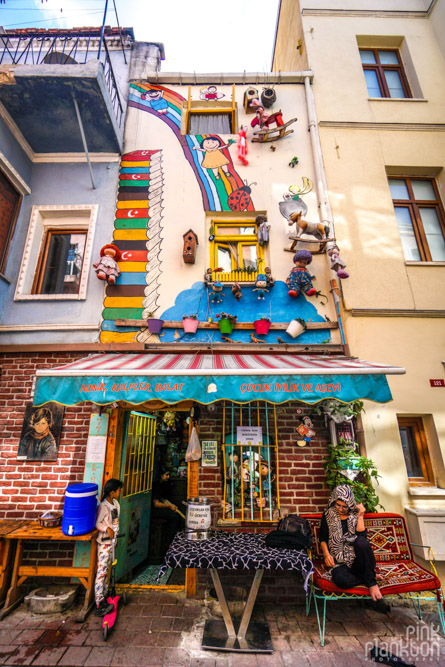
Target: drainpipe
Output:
[(84, 141), (323, 197)]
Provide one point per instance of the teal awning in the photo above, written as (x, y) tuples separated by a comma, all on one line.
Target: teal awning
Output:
[(136, 378)]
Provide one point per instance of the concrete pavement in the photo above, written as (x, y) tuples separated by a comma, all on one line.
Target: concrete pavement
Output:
[(165, 629)]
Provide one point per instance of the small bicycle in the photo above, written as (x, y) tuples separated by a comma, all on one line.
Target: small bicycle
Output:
[(109, 620)]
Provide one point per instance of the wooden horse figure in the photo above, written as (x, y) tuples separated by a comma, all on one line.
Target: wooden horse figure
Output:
[(316, 229), (265, 119)]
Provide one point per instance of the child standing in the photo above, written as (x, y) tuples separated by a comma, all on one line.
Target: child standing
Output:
[(107, 523)]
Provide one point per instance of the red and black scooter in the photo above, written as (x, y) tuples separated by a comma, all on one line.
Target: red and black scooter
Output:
[(109, 620)]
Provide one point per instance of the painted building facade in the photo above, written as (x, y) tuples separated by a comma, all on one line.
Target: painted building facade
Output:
[(201, 209), (379, 94)]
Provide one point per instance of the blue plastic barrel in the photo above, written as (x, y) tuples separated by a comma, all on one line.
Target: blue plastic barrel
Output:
[(79, 510)]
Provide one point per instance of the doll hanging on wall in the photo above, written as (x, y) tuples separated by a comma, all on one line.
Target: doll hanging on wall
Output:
[(242, 145), (299, 279), (107, 267)]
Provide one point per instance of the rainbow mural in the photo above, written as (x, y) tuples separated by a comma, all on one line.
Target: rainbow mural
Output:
[(137, 234), (215, 192)]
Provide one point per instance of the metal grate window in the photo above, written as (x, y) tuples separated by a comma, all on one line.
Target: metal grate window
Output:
[(250, 462), (139, 454)]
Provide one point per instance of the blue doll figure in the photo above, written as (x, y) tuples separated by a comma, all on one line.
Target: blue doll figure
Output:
[(299, 279), (260, 285), (156, 100), (217, 296)]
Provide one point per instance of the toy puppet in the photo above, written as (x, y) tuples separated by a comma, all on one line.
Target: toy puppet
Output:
[(299, 279), (107, 267)]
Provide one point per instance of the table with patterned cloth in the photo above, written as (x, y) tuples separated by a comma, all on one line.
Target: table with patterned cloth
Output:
[(236, 551)]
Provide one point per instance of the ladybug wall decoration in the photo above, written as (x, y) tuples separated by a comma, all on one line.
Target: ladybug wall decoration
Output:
[(239, 200)]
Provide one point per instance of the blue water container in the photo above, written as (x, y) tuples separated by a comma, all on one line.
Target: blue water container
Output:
[(79, 510)]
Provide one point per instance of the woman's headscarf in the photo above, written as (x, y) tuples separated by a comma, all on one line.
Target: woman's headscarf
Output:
[(340, 549)]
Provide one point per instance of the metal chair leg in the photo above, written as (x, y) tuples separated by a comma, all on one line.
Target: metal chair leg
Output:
[(308, 602), (441, 613), (321, 626)]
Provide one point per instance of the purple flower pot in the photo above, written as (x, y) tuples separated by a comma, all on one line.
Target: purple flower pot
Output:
[(155, 326)]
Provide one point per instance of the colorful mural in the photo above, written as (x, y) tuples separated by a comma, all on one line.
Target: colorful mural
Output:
[(216, 184), (137, 234)]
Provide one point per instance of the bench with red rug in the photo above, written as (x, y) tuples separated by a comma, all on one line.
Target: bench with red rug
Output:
[(400, 575)]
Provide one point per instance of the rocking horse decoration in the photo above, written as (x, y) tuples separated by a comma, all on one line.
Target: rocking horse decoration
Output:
[(265, 119), (293, 209)]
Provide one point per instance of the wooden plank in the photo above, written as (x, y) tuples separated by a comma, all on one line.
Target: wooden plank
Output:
[(277, 326), (50, 571), (75, 347), (8, 525), (32, 530)]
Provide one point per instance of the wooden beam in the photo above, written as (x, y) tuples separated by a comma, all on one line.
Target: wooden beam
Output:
[(276, 326), (74, 347)]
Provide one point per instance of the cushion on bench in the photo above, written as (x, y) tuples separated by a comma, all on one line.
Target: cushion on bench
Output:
[(390, 542)]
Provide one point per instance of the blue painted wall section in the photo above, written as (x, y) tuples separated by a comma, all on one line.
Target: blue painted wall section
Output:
[(277, 305)]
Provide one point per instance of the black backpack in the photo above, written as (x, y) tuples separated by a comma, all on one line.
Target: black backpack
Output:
[(293, 532), (298, 526)]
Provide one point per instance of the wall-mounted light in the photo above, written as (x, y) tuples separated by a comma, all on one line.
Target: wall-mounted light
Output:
[(212, 388)]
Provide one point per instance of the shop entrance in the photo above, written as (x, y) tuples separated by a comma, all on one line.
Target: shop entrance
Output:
[(151, 442)]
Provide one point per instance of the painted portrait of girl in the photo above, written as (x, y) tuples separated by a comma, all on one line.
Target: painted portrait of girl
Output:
[(40, 432)]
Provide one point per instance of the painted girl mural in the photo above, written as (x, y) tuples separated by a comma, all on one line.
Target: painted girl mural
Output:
[(214, 157)]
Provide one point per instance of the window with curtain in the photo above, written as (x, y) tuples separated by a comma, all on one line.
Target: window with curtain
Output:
[(9, 207), (235, 250), (60, 264), (420, 218), (384, 73), (210, 123)]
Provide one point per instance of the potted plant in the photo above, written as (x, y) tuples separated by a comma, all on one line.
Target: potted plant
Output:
[(154, 325), (296, 327), (339, 412), (262, 326), (190, 323), (226, 322), (344, 465)]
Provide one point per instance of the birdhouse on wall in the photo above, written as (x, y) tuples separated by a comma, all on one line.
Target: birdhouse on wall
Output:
[(190, 243), (249, 95)]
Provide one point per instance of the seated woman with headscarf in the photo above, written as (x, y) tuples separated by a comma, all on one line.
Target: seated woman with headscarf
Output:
[(162, 508), (344, 545)]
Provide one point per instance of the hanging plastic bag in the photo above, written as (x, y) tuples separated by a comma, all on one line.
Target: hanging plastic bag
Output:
[(193, 452)]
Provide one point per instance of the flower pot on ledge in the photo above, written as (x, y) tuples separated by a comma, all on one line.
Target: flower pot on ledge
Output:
[(225, 325), (155, 325), (190, 324), (262, 327)]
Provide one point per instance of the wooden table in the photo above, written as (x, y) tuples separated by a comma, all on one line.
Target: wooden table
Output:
[(30, 531), (6, 552)]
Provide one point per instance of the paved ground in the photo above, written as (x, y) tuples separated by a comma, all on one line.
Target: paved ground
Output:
[(158, 628)]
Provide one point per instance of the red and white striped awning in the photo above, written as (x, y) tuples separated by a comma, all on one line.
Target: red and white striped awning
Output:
[(217, 364)]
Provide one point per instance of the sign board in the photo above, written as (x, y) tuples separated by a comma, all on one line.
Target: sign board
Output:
[(437, 383), (209, 457), (248, 436)]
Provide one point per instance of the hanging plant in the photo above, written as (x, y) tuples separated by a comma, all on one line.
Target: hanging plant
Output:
[(154, 325), (190, 323), (226, 322), (345, 466), (338, 412), (262, 326)]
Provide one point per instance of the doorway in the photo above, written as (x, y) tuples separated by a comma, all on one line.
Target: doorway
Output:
[(151, 442)]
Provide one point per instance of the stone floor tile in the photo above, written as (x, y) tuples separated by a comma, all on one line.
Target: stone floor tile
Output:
[(133, 610), (8, 636), (75, 656), (169, 598), (182, 624), (49, 655), (357, 627), (347, 643), (246, 659), (144, 638), (28, 637), (271, 659), (322, 658), (172, 610), (155, 657), (163, 623), (203, 662), (5, 651), (95, 638), (176, 658), (51, 637), (150, 610), (126, 656), (169, 639), (100, 657), (23, 655), (74, 638), (294, 659), (303, 644), (281, 644)]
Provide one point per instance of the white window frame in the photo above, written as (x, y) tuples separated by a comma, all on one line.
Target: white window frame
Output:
[(43, 218)]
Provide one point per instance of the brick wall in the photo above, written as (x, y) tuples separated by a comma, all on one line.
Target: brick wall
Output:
[(27, 489)]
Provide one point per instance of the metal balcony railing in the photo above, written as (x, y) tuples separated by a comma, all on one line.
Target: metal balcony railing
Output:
[(61, 49)]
